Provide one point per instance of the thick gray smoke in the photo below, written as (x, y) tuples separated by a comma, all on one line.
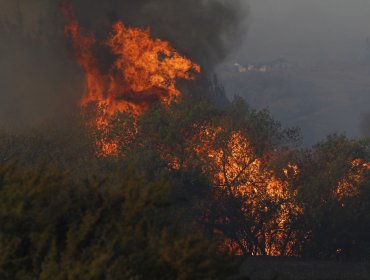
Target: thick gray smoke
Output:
[(205, 30), (38, 79)]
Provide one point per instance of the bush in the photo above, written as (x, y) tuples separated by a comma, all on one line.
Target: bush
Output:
[(53, 228)]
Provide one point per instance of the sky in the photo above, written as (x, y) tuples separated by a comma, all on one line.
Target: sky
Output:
[(308, 31), (329, 92)]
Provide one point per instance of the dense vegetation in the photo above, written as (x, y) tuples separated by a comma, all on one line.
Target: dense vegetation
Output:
[(134, 228), (164, 208)]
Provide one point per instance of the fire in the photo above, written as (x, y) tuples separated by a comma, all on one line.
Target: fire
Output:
[(230, 161), (349, 186), (145, 71), (248, 176), (149, 67)]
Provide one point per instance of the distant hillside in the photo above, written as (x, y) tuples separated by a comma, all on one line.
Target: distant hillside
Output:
[(320, 99)]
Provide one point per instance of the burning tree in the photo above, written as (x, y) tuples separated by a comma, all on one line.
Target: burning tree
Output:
[(255, 208), (334, 192), (252, 208), (189, 174), (145, 71)]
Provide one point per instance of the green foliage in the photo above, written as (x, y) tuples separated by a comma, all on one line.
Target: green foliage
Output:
[(336, 227), (63, 146), (53, 228)]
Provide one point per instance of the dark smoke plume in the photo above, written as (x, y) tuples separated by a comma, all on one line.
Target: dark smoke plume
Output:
[(40, 81), (204, 30)]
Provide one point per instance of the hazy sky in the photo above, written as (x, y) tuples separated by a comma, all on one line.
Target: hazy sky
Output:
[(330, 92), (310, 30)]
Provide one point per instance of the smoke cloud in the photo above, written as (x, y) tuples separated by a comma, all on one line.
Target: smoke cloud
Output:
[(205, 30), (39, 81)]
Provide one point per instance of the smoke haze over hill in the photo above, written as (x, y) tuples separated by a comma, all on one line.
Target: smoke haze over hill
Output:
[(325, 87)]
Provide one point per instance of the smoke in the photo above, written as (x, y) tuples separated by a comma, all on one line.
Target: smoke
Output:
[(204, 30), (38, 83), (309, 32), (39, 80), (365, 125)]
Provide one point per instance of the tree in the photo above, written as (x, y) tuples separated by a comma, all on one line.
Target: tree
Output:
[(233, 149), (333, 188)]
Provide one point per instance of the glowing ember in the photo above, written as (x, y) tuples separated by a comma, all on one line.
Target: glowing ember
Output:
[(349, 185), (247, 176), (145, 70), (233, 166)]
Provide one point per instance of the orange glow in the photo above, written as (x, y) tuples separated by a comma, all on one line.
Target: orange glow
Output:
[(232, 165), (350, 184), (145, 71)]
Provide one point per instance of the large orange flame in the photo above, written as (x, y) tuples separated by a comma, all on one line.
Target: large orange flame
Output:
[(145, 70)]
